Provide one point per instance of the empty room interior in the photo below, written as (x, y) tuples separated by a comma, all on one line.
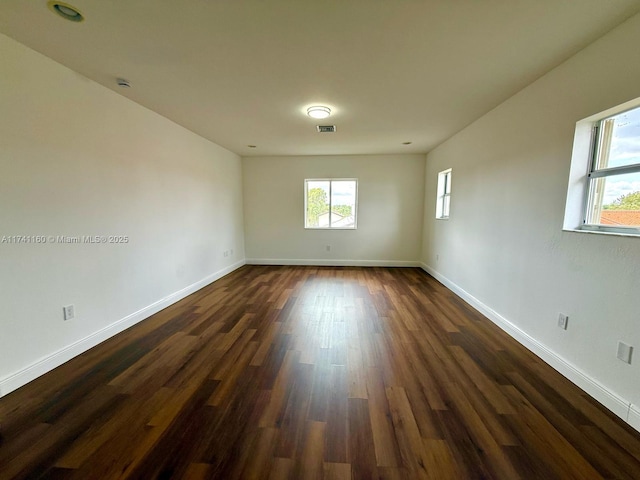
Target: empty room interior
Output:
[(294, 239)]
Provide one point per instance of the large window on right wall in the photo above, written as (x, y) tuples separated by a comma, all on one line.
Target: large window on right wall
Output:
[(613, 197), (604, 183)]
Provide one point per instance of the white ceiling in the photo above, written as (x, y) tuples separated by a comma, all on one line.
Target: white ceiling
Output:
[(242, 72)]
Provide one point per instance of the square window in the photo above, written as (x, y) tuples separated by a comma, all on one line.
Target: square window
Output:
[(443, 200), (613, 190), (330, 203)]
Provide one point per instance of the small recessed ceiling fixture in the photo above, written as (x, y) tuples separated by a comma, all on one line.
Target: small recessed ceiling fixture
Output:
[(318, 111), (123, 83), (406, 143), (65, 10), (251, 146)]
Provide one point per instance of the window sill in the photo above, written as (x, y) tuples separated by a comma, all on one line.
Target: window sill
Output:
[(332, 228), (600, 232)]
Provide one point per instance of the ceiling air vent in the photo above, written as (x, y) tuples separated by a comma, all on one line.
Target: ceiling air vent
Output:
[(326, 128)]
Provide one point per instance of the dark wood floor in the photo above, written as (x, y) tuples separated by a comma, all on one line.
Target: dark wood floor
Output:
[(304, 372)]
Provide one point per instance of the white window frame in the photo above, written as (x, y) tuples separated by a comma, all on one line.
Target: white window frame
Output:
[(443, 198), (584, 174), (331, 180)]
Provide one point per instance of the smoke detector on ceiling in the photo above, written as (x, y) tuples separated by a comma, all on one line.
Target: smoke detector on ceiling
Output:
[(326, 128)]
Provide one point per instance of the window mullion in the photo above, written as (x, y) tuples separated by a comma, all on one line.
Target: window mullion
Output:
[(330, 185), (605, 172), (605, 137)]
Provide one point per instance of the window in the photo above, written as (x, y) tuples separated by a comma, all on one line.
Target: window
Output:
[(613, 191), (443, 200), (330, 203)]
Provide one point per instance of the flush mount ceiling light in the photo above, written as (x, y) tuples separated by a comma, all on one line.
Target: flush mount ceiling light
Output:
[(318, 111), (65, 10)]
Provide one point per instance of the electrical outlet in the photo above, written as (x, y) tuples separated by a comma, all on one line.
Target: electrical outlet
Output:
[(328, 248), (68, 312), (563, 321), (624, 352), (226, 253)]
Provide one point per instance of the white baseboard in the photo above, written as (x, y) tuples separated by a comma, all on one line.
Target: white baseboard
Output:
[(634, 417), (55, 359), (606, 397), (331, 262)]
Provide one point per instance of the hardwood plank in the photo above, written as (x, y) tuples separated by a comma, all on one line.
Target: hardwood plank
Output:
[(266, 344), (261, 459), (102, 432), (197, 471), (408, 435), (310, 464), (356, 371), (281, 469), (384, 439), (337, 471), (362, 455), (293, 421), (280, 392), (336, 436)]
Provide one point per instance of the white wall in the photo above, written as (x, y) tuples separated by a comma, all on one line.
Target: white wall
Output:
[(78, 159), (390, 198), (504, 245)]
